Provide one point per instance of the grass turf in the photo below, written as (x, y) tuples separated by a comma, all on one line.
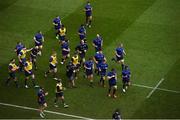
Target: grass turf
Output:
[(148, 29)]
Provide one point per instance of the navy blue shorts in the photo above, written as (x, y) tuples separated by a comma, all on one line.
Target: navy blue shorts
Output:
[(126, 80), (38, 44), (41, 103), (82, 55), (89, 72), (62, 38)]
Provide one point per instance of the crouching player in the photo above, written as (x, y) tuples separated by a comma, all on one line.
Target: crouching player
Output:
[(65, 51), (28, 66), (41, 101), (39, 39), (12, 72), (59, 94), (112, 78), (52, 65), (89, 66), (119, 52), (103, 69), (126, 74)]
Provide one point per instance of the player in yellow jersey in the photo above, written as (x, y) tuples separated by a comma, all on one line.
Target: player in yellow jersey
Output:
[(52, 65), (59, 93), (22, 57), (61, 34), (28, 66), (12, 72), (76, 63)]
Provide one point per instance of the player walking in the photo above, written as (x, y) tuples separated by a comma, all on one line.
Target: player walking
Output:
[(112, 78), (126, 74), (89, 66), (59, 94)]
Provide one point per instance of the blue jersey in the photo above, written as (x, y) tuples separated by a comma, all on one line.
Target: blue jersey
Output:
[(98, 42), (88, 9), (112, 80), (103, 68), (99, 57), (65, 48), (126, 74), (82, 33), (89, 65), (57, 21), (120, 51), (19, 47), (38, 38), (41, 96)]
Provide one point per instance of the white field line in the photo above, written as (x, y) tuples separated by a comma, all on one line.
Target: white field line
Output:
[(161, 89), (154, 89), (47, 111)]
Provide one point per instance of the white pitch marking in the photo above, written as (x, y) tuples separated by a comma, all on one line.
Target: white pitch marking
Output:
[(47, 111), (154, 89), (161, 89)]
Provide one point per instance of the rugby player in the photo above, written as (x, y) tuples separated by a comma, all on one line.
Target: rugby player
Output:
[(88, 12), (126, 74), (52, 65), (75, 62), (82, 49), (98, 43), (33, 56), (112, 78), (103, 69), (82, 33), (119, 52), (61, 34), (41, 101), (39, 39), (89, 66), (59, 93), (19, 47), (70, 72), (98, 59), (12, 72), (57, 24), (28, 66), (65, 51)]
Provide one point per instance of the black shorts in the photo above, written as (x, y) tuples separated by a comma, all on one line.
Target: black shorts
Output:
[(89, 72), (82, 55), (59, 94), (119, 58), (28, 74), (12, 75), (52, 67)]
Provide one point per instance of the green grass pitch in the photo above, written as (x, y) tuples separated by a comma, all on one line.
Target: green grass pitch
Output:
[(149, 30)]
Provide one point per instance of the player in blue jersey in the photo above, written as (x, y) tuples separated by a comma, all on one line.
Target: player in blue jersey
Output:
[(103, 69), (82, 49), (112, 78), (119, 52), (89, 66), (41, 101), (19, 47), (39, 39), (88, 12), (33, 56), (116, 115), (98, 43), (57, 24), (70, 73), (65, 51), (98, 59), (126, 74), (82, 33)]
